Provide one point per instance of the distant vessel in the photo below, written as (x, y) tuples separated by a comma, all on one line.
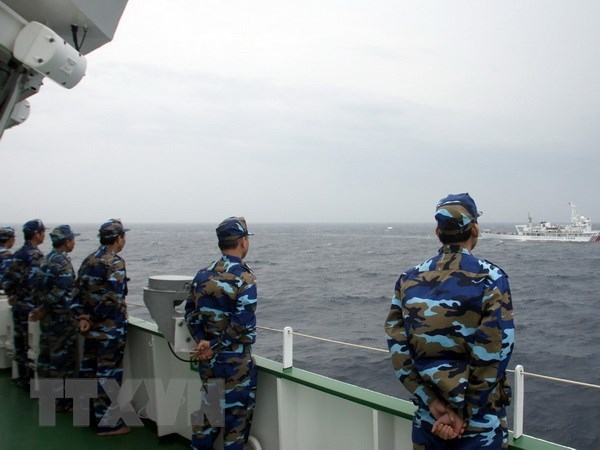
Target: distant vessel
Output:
[(579, 230)]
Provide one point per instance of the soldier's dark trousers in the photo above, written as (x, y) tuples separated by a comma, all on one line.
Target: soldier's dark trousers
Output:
[(103, 359), (58, 342), (239, 373), (21, 339)]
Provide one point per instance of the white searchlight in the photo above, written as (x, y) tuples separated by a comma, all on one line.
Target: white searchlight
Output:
[(41, 49), (163, 295)]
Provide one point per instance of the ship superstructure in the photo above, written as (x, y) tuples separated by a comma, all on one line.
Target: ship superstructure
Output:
[(578, 230), (48, 39)]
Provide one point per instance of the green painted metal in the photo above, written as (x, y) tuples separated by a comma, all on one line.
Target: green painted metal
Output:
[(19, 428), (375, 400), (371, 399), (531, 443), (144, 325)]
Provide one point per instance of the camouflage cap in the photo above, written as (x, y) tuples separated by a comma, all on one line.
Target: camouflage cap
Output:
[(456, 213), (62, 233), (112, 228), (33, 226), (6, 233), (232, 228)]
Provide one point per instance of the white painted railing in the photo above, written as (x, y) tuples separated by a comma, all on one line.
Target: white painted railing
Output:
[(518, 383)]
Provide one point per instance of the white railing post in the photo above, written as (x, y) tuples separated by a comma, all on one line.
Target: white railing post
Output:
[(519, 399), (288, 347)]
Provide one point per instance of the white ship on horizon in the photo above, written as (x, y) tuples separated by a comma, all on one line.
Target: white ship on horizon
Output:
[(579, 230)]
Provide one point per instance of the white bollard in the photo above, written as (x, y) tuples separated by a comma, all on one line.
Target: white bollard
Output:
[(519, 399), (288, 347)]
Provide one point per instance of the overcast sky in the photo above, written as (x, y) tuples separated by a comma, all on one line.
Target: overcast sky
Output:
[(319, 111)]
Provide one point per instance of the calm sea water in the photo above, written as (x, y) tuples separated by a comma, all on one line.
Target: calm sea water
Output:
[(336, 281)]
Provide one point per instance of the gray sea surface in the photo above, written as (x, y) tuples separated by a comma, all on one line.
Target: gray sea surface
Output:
[(336, 281)]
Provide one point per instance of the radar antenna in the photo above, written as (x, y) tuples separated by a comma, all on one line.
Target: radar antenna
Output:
[(574, 217)]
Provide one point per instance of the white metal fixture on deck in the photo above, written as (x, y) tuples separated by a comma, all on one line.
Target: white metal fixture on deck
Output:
[(47, 38)]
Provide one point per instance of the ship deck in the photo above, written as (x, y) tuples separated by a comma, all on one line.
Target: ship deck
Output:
[(296, 410), (19, 428)]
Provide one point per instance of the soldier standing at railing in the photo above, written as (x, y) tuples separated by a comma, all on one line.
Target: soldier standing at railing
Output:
[(58, 339), (19, 284), (450, 335), (99, 306), (7, 240), (220, 316)]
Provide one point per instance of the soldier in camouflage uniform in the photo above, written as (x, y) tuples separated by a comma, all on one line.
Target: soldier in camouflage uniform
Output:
[(58, 329), (220, 315), (450, 334), (19, 284), (99, 306), (7, 240)]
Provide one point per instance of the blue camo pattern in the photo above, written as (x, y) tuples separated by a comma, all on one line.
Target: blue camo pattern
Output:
[(99, 295), (5, 257), (450, 334), (58, 329), (19, 281), (221, 306), (239, 372), (101, 288), (489, 433), (221, 309), (20, 275)]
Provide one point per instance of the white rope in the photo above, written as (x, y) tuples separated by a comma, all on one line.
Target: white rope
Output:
[(535, 375), (340, 342), (327, 340), (562, 380)]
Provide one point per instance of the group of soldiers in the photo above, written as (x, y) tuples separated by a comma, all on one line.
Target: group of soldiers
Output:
[(46, 289), (450, 329), (220, 313)]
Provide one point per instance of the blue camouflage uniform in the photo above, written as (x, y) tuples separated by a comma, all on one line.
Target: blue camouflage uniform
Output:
[(5, 257), (100, 292), (6, 233), (221, 309), (19, 280), (450, 334), (58, 329)]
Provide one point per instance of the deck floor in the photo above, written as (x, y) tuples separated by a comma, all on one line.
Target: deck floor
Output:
[(19, 428)]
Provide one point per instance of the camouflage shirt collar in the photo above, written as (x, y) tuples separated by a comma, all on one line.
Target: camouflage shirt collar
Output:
[(231, 259), (454, 248), (107, 250)]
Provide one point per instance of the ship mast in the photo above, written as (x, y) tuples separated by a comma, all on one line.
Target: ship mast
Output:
[(574, 217)]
